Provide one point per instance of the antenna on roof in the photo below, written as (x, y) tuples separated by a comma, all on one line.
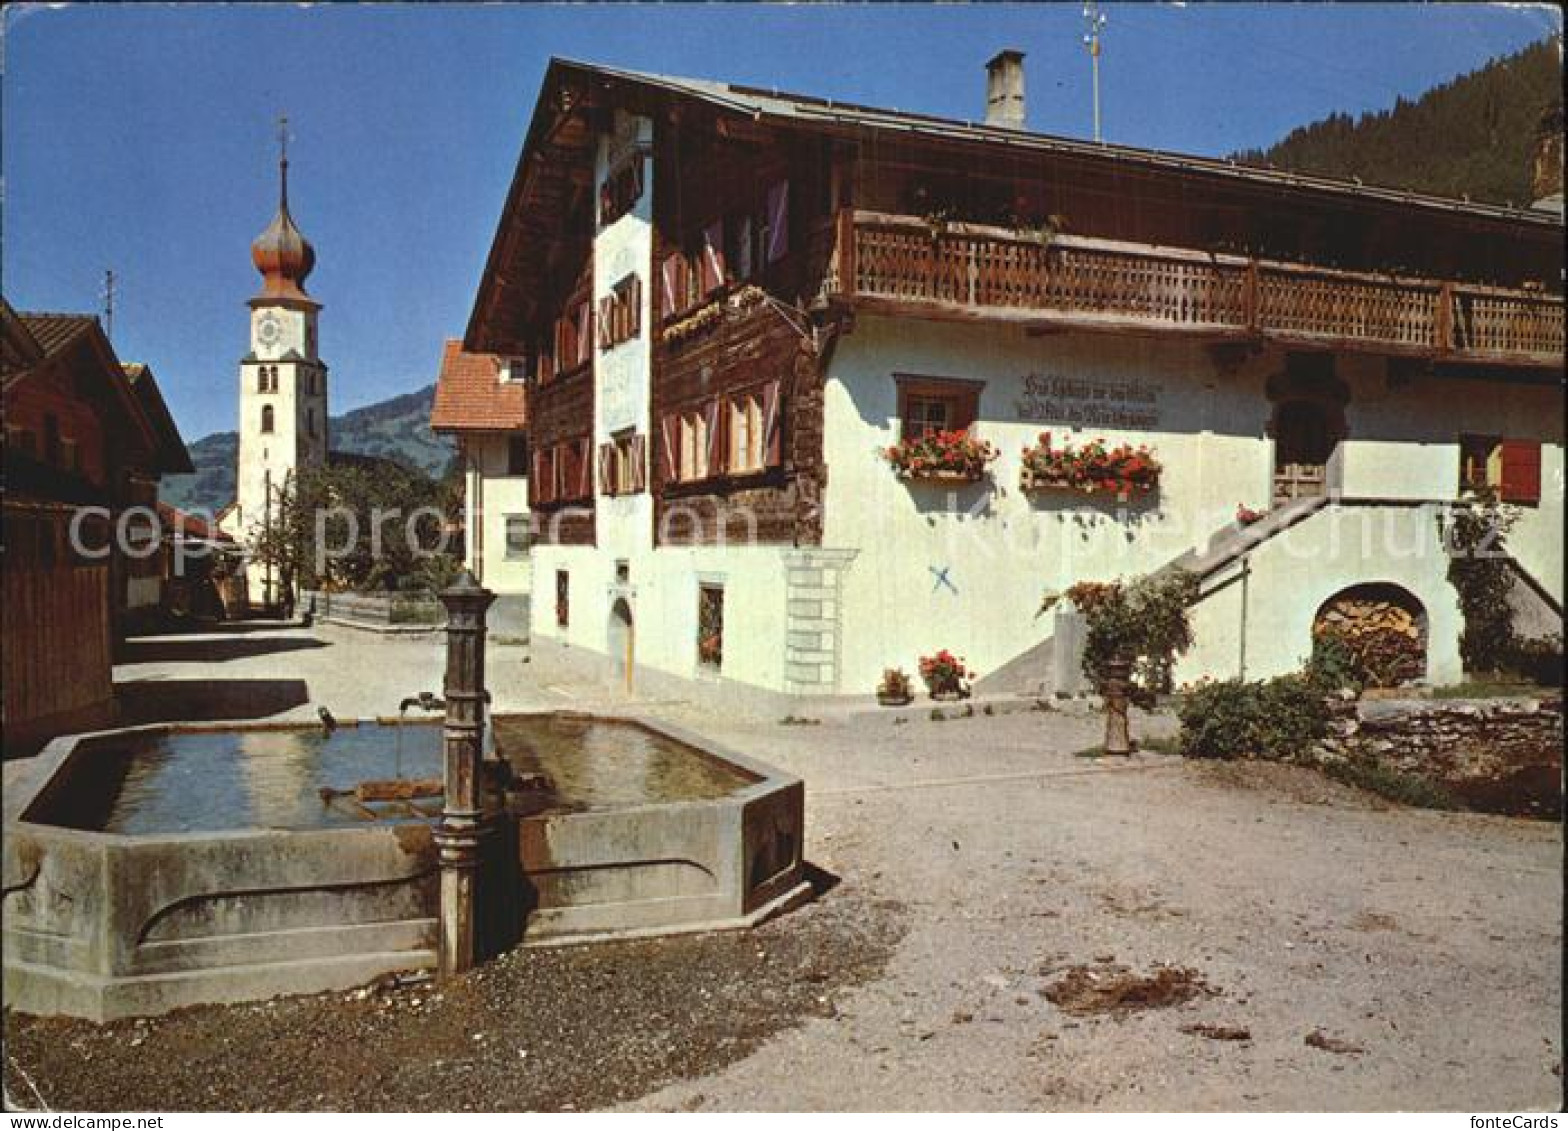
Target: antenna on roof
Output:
[(1093, 21), (108, 304)]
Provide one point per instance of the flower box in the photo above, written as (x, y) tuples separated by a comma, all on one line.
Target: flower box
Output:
[(941, 457), (1123, 470), (956, 478), (1033, 484)]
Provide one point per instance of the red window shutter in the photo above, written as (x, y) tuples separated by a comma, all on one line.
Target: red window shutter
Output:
[(741, 234), (713, 257), (606, 322), (639, 456), (634, 308), (670, 433), (772, 426), (585, 332), (778, 222), (717, 416), (1521, 471), (606, 469), (674, 293), (584, 468), (534, 480)]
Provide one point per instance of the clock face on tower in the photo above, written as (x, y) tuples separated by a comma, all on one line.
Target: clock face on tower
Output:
[(268, 329)]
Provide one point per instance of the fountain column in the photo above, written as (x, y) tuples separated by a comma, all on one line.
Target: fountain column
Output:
[(462, 826)]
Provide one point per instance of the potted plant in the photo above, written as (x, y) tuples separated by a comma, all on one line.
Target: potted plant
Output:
[(941, 457), (896, 688), (1246, 516), (946, 676), (1123, 469)]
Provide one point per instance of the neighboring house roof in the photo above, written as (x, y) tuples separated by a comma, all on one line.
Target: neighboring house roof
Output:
[(19, 349), (472, 397), (190, 525), (175, 458), (78, 342)]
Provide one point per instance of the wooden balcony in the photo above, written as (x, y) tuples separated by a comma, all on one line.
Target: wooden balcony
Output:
[(968, 271)]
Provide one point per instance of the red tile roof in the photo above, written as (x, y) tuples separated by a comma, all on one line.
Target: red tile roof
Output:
[(192, 526), (470, 395)]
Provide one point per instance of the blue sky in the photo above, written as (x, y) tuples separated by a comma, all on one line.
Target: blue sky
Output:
[(142, 137)]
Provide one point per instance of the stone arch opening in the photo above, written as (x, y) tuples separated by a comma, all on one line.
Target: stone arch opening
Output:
[(1382, 626)]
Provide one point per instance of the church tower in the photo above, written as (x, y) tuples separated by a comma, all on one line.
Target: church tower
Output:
[(283, 382)]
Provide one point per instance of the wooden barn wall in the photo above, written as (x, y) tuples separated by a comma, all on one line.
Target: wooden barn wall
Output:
[(57, 649)]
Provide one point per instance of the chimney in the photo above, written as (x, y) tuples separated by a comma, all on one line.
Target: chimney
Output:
[(1004, 90), (1546, 168)]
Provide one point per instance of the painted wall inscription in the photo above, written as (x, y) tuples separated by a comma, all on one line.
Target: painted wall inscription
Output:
[(1050, 398)]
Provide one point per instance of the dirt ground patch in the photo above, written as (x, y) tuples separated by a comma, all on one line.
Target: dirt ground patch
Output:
[(561, 1029), (1107, 987)]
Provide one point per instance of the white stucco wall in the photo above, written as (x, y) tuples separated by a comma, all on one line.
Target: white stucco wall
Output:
[(491, 496), (966, 568)]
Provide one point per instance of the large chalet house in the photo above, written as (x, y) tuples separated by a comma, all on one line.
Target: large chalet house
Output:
[(87, 439), (751, 324)]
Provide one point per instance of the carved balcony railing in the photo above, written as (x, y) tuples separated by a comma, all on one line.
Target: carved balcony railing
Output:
[(972, 271)]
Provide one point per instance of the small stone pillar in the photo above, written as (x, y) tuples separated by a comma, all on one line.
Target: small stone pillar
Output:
[(462, 828), (1117, 738)]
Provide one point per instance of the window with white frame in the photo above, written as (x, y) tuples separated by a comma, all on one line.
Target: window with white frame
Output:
[(519, 537)]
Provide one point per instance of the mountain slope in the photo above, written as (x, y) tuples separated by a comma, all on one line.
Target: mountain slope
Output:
[(397, 429), (1469, 137)]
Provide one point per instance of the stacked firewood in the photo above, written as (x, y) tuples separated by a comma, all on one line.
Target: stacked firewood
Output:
[(1385, 638)]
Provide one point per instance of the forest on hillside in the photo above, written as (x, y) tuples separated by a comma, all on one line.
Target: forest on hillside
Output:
[(1469, 138)]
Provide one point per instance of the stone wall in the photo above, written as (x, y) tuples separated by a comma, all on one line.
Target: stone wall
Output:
[(1492, 755)]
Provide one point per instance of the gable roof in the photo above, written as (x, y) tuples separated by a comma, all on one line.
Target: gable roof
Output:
[(174, 458), (761, 103), (472, 397)]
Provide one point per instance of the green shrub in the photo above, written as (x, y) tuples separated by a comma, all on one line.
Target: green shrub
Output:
[(1145, 620), (1334, 664), (1276, 719)]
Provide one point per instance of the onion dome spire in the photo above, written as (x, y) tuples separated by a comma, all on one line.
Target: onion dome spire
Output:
[(281, 253)]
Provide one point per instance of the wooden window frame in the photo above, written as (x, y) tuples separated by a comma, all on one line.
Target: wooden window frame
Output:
[(961, 394)]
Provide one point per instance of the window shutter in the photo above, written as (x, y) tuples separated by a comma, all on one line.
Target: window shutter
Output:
[(535, 497), (717, 428), (674, 294), (778, 222), (1521, 471), (713, 257), (584, 468), (742, 243), (634, 305), (605, 321), (670, 433), (585, 332), (966, 410), (607, 483), (639, 457), (772, 427)]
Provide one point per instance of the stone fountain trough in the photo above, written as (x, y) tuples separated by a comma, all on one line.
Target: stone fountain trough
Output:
[(156, 867)]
